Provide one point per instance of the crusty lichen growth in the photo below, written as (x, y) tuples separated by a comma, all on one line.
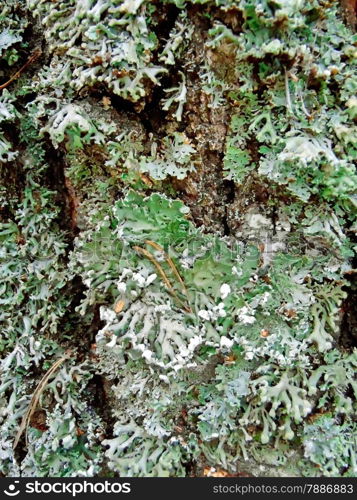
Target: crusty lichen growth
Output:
[(178, 209)]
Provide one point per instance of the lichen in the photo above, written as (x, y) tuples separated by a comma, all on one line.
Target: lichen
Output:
[(177, 220)]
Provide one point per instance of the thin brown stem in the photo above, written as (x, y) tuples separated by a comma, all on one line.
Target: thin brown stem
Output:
[(32, 58), (170, 263), (35, 399), (162, 273)]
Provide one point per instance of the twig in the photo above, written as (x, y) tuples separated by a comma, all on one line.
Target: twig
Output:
[(152, 259), (35, 399), (32, 58), (170, 263), (287, 93), (162, 273)]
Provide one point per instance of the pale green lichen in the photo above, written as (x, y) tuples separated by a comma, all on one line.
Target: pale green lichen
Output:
[(330, 445), (211, 350)]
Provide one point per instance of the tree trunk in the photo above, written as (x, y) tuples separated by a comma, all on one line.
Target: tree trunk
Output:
[(177, 223)]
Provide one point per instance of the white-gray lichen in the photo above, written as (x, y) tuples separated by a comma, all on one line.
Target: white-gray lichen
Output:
[(205, 349)]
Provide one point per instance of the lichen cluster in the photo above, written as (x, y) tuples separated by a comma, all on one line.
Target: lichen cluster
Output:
[(178, 215)]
